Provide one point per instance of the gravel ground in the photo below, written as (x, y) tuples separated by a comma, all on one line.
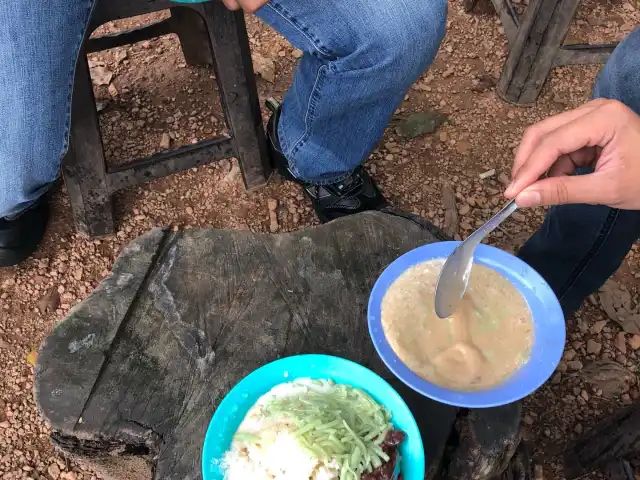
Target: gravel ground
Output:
[(150, 99)]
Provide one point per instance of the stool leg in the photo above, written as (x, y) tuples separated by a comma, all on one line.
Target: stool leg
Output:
[(193, 35), (238, 91), (532, 55), (84, 167)]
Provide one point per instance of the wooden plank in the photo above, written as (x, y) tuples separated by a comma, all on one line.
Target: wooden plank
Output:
[(508, 18), (584, 54)]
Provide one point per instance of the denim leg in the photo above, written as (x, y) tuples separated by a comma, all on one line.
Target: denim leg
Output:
[(580, 246), (39, 43), (360, 58)]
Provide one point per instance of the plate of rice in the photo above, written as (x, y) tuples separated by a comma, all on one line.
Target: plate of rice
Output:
[(313, 417)]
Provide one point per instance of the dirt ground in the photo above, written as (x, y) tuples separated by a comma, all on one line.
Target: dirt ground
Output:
[(150, 97)]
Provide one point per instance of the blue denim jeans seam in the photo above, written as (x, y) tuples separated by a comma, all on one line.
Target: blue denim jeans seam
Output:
[(300, 27), (605, 230), (290, 152), (76, 51)]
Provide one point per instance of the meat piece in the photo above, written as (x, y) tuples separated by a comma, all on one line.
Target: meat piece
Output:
[(390, 447)]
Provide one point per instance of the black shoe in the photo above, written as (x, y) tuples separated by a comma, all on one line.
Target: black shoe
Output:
[(20, 238), (356, 193)]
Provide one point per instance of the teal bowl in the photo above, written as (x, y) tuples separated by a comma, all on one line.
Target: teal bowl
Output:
[(245, 394)]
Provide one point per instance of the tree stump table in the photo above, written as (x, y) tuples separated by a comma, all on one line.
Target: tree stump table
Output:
[(130, 380)]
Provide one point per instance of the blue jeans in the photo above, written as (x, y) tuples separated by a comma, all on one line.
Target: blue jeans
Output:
[(580, 246), (360, 58)]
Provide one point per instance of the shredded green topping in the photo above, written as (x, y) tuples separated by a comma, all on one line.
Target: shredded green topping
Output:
[(342, 424)]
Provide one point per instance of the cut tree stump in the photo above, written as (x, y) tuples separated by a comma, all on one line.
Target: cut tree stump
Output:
[(130, 380), (606, 446)]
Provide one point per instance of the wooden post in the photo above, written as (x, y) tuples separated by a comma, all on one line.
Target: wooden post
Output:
[(238, 91), (84, 165), (192, 33), (533, 54)]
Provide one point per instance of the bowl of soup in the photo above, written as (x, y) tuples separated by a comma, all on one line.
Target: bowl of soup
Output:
[(504, 341)]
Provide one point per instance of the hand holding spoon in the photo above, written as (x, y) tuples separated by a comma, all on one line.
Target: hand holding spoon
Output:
[(454, 276)]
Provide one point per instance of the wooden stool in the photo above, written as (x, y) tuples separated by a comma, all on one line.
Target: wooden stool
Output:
[(536, 46), (208, 33)]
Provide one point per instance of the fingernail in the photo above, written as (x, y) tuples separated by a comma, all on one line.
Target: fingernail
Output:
[(529, 198), (509, 191)]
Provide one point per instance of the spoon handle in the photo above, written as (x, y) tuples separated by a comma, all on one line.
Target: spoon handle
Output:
[(496, 220)]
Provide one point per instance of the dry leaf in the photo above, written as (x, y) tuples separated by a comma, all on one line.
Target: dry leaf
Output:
[(101, 75), (120, 56), (609, 376), (451, 226), (265, 67), (32, 356), (420, 123)]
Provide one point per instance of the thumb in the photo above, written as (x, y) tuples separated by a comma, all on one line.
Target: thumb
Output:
[(561, 190)]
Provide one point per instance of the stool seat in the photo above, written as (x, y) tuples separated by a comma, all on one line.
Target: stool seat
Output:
[(209, 34)]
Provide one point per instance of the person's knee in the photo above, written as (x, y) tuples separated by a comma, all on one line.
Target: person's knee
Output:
[(406, 35), (620, 77)]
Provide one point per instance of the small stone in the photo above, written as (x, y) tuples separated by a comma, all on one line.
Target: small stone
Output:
[(575, 365), (487, 174), (562, 367), (598, 326), (634, 342), (165, 141), (113, 91), (584, 394), (593, 347), (570, 354), (443, 136), (519, 217), (528, 419), (464, 209), (504, 179), (621, 342), (578, 429), (273, 221), (538, 472), (54, 471), (272, 204), (189, 210), (297, 53), (625, 398), (77, 273), (463, 147), (447, 73)]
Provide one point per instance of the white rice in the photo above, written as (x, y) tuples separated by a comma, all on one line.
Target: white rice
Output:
[(282, 458)]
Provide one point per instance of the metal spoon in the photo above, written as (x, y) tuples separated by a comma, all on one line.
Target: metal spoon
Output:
[(454, 276)]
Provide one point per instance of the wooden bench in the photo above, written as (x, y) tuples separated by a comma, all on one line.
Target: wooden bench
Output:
[(129, 381), (208, 32)]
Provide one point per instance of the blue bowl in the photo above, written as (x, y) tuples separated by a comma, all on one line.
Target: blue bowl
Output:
[(245, 394), (548, 320)]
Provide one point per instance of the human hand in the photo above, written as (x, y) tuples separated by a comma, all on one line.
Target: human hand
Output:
[(602, 134), (249, 6)]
